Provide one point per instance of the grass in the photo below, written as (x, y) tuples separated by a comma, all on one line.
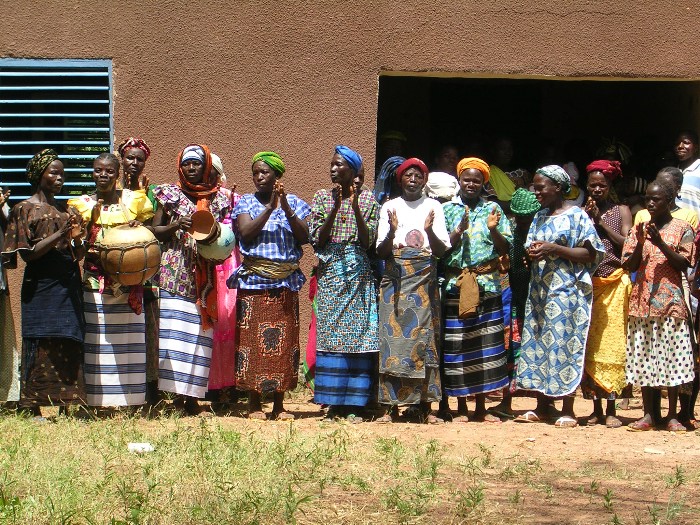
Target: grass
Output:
[(221, 470)]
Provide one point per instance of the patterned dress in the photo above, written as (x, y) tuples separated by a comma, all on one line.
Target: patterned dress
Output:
[(347, 322), (9, 356), (659, 348), (53, 325), (268, 307), (185, 345), (606, 348), (558, 309), (474, 353)]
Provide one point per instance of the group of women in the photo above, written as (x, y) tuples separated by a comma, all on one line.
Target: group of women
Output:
[(418, 298)]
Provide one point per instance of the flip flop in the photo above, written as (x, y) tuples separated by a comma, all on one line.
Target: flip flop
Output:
[(500, 413), (640, 426), (430, 419), (676, 427), (460, 419), (528, 417), (566, 422), (612, 422)]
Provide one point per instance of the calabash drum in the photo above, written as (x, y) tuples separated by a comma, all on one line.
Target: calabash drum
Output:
[(219, 248), (129, 255)]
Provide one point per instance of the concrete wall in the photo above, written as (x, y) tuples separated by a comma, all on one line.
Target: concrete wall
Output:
[(299, 77)]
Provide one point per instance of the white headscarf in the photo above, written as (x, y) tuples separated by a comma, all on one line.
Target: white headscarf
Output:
[(219, 168), (441, 185)]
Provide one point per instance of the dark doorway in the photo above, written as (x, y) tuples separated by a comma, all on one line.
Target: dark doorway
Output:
[(547, 120)]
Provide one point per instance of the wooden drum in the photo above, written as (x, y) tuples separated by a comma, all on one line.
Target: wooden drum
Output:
[(129, 255)]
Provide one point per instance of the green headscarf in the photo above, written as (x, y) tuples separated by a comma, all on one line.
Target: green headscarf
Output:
[(39, 162), (270, 158), (524, 202)]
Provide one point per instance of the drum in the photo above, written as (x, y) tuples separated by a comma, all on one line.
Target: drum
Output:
[(219, 248), (129, 255)]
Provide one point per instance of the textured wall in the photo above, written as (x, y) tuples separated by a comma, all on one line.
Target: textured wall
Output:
[(299, 77)]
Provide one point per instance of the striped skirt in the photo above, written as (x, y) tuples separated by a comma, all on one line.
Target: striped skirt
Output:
[(344, 379), (474, 354), (185, 348), (115, 351)]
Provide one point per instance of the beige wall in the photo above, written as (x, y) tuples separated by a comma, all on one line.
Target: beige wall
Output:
[(299, 77)]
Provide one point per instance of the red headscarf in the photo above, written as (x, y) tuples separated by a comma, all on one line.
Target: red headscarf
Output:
[(413, 162), (134, 142), (209, 184), (610, 168)]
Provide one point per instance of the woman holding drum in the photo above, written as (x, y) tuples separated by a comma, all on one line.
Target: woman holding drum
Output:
[(186, 279), (115, 346)]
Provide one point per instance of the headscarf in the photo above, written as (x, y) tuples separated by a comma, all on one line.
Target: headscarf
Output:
[(270, 158), (134, 142), (610, 168), (351, 156), (413, 162), (524, 202), (611, 147), (558, 175), (218, 168), (392, 134), (39, 162), (441, 185), (475, 163), (208, 185), (386, 177), (639, 185)]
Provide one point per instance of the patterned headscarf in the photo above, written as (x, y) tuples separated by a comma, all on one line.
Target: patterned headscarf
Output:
[(609, 168), (351, 156), (39, 162), (475, 163), (413, 162), (218, 168), (134, 142), (558, 175), (524, 202), (386, 177), (270, 158), (208, 185)]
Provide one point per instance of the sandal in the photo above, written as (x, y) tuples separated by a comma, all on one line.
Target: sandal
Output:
[(460, 419), (594, 419), (566, 422), (430, 419), (675, 426), (528, 417), (488, 418), (612, 422), (386, 418), (641, 425), (258, 414), (501, 413)]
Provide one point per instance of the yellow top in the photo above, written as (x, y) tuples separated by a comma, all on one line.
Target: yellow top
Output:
[(683, 214), (134, 205)]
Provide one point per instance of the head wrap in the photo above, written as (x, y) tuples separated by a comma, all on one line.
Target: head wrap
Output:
[(524, 202), (270, 158), (39, 162), (610, 168), (351, 156), (386, 178), (558, 175), (392, 134), (613, 148), (413, 162), (133, 142), (475, 163), (441, 185), (208, 185), (218, 168), (639, 186)]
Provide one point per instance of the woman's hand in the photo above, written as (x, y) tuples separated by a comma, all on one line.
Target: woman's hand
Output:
[(653, 233), (493, 219), (337, 196), (354, 198), (282, 197), (135, 223), (184, 223), (538, 250), (592, 210), (640, 232), (96, 210), (4, 195), (464, 223), (429, 220), (393, 221)]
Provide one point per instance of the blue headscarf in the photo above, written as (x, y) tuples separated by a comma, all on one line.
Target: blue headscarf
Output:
[(351, 156), (386, 178)]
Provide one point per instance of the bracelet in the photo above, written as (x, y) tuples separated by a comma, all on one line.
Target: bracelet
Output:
[(290, 217), (72, 243)]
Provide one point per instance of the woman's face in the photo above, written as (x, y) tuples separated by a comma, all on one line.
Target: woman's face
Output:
[(264, 177), (598, 186), (341, 172), (105, 173), (412, 183), (193, 170), (471, 182), (133, 162), (546, 190), (52, 179), (656, 202), (685, 149)]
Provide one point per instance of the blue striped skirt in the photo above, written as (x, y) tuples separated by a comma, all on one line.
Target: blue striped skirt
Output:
[(185, 348), (115, 351), (344, 379)]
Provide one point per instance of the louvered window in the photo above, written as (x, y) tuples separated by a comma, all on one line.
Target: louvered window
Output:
[(61, 104)]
